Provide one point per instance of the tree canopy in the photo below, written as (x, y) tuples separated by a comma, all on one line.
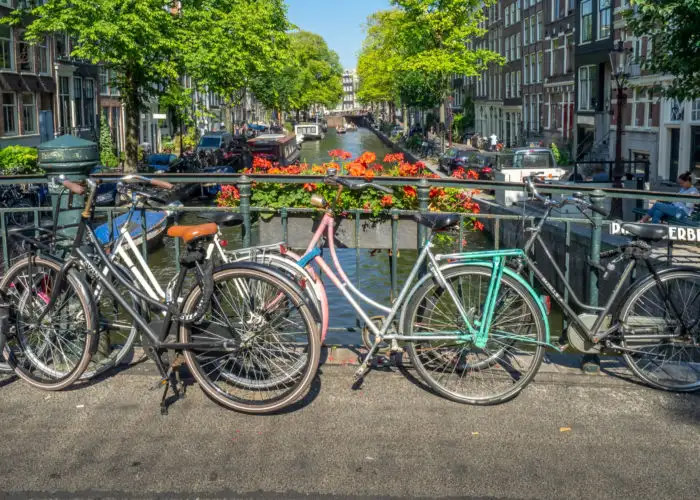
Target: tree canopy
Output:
[(672, 27), (411, 51), (151, 43)]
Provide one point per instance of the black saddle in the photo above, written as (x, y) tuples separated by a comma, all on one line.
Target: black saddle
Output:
[(648, 232), (229, 219), (437, 222)]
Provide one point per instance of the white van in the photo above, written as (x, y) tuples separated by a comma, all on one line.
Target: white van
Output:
[(515, 165)]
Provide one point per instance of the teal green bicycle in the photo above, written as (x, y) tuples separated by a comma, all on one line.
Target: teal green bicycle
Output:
[(476, 331)]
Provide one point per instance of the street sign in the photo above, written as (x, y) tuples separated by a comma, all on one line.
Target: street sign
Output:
[(159, 116)]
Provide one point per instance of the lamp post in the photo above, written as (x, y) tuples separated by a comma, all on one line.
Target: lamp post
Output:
[(620, 60)]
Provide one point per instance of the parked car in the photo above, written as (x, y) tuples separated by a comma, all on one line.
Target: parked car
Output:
[(454, 158), (211, 141), (483, 164)]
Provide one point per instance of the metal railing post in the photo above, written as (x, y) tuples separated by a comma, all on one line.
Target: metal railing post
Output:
[(597, 198), (244, 189), (423, 194)]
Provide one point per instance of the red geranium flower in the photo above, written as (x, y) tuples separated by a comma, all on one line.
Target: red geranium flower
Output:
[(356, 169), (436, 192), (409, 191), (478, 226), (393, 158), (387, 201), (309, 187), (408, 170), (367, 158)]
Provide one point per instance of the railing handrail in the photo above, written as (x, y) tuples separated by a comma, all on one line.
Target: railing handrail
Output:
[(236, 179)]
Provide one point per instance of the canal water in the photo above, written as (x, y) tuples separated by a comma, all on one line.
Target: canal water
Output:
[(369, 270)]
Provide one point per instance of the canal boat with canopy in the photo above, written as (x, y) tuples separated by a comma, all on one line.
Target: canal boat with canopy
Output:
[(278, 148)]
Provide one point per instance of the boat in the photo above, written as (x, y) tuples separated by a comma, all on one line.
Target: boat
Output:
[(351, 127), (310, 131), (300, 138), (156, 224), (341, 130), (278, 148)]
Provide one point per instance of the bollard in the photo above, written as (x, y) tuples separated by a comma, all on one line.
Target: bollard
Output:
[(591, 362), (67, 158), (423, 194), (244, 189)]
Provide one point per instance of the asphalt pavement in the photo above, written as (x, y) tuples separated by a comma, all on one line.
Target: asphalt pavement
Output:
[(565, 437)]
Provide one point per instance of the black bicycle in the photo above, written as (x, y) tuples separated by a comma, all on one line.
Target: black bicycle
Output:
[(246, 332)]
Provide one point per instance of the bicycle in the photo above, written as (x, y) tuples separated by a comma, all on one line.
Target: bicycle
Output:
[(475, 330), (227, 329)]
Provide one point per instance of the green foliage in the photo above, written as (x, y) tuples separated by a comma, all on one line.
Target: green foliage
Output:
[(555, 152), (189, 140), (15, 160), (108, 156), (672, 27)]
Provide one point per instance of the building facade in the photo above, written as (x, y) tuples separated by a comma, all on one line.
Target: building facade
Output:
[(350, 83)]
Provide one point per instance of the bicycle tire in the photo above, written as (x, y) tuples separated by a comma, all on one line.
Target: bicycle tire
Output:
[(436, 359), (290, 388), (19, 352), (20, 218), (644, 307), (111, 323)]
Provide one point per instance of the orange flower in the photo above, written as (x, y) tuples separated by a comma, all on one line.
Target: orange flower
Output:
[(274, 171), (367, 158), (459, 173), (471, 174), (409, 191), (319, 169), (407, 170), (377, 167), (478, 226), (369, 174), (367, 206), (309, 187), (394, 158), (387, 201), (437, 192), (356, 169), (261, 162)]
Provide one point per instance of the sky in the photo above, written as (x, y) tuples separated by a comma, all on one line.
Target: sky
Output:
[(338, 21)]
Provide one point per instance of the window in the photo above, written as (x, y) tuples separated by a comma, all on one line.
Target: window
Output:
[(517, 10), (104, 90), (533, 114), (695, 112), (9, 113), (604, 19), (507, 85), (89, 97), (586, 20), (540, 63), (587, 87), (526, 74), (78, 99), (507, 21), (507, 42), (539, 112), (64, 101), (6, 3), (43, 52), (6, 59), (526, 31), (28, 114), (513, 91), (539, 25), (677, 111), (26, 56), (518, 84), (532, 29), (62, 45), (533, 62), (555, 10), (517, 51)]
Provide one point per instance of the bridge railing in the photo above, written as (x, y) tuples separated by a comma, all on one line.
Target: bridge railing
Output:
[(575, 239)]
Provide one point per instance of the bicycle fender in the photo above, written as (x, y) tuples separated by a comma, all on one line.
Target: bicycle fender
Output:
[(488, 265)]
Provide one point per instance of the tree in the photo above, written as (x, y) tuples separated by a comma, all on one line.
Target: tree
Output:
[(150, 43), (319, 73), (672, 27), (108, 158)]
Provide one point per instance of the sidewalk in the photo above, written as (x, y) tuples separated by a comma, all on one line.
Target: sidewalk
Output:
[(392, 439)]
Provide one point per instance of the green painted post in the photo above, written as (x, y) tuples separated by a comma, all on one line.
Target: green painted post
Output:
[(244, 189), (591, 362), (67, 158), (423, 193), (597, 197)]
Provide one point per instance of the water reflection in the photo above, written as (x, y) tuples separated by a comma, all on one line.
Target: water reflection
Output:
[(355, 142)]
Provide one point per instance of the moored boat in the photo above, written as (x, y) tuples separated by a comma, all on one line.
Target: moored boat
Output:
[(278, 148), (310, 131), (341, 130)]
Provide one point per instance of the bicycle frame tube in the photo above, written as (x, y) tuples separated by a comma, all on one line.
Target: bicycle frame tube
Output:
[(342, 282)]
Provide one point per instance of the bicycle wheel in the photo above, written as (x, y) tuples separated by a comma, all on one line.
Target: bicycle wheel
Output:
[(458, 370), (20, 218), (668, 364), (52, 354), (117, 330), (272, 341)]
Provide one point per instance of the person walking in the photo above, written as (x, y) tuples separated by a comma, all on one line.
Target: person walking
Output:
[(494, 141), (676, 211)]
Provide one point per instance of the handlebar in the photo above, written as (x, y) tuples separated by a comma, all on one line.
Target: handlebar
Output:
[(570, 200), (354, 185)]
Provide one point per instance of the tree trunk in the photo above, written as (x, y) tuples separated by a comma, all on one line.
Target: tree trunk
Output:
[(132, 105)]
